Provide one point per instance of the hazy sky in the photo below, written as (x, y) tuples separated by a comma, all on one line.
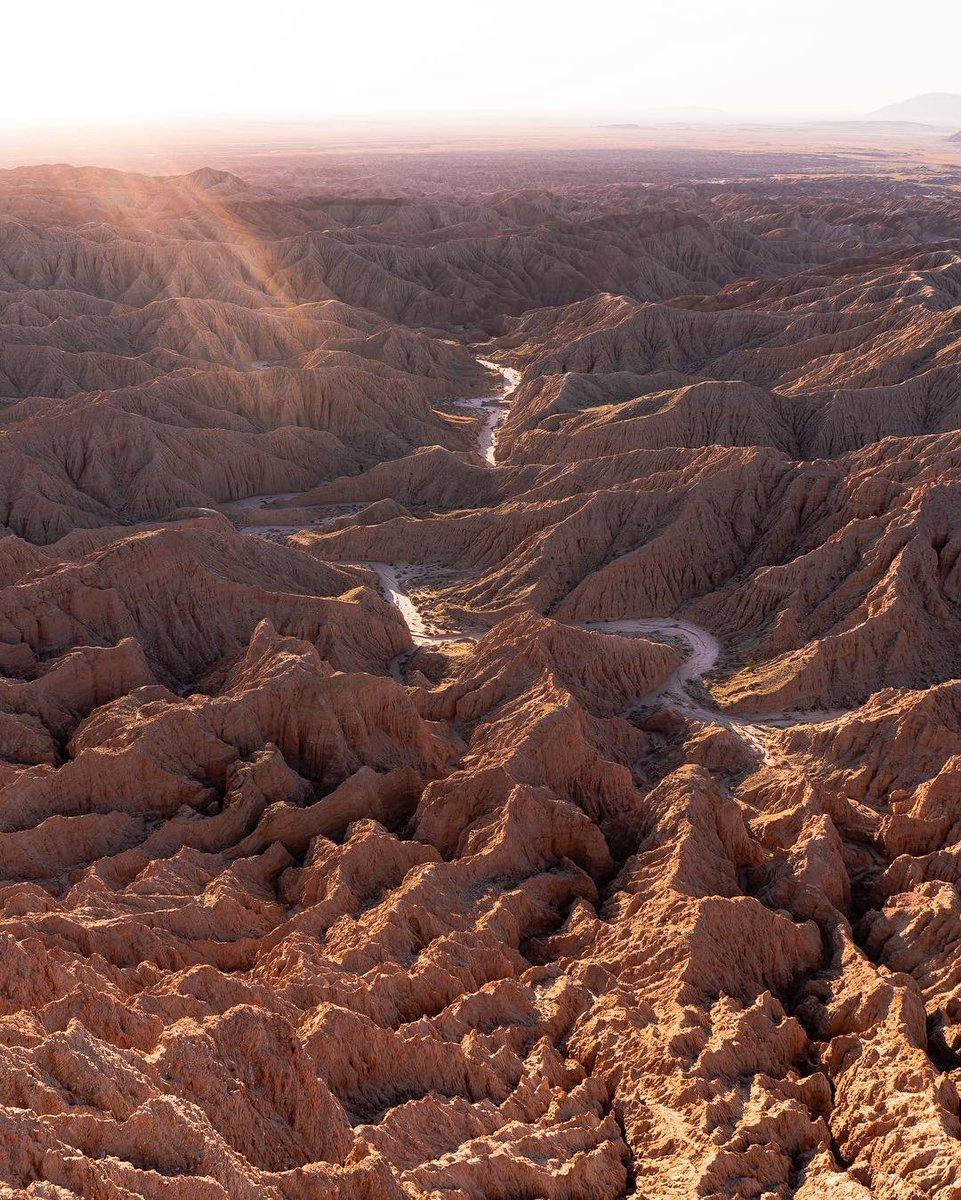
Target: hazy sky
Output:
[(73, 62)]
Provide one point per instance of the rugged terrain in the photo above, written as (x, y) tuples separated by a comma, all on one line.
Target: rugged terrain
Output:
[(479, 683)]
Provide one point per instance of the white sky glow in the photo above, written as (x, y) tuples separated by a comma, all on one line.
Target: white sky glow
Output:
[(130, 61)]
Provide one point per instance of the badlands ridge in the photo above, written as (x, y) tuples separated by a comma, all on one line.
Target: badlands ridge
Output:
[(479, 703)]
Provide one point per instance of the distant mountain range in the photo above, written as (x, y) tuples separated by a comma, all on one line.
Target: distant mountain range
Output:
[(933, 108)]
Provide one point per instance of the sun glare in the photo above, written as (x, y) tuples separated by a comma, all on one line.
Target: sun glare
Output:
[(114, 63)]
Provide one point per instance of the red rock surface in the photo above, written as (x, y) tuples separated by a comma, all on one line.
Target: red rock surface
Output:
[(378, 822)]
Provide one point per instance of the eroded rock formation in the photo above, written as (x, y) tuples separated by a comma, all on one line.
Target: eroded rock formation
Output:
[(541, 894)]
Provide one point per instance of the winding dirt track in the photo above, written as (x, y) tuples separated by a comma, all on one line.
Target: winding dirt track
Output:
[(393, 589), (703, 652), (494, 407)]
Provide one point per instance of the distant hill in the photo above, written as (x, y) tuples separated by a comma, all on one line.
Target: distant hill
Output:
[(955, 137), (933, 108), (209, 180)]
